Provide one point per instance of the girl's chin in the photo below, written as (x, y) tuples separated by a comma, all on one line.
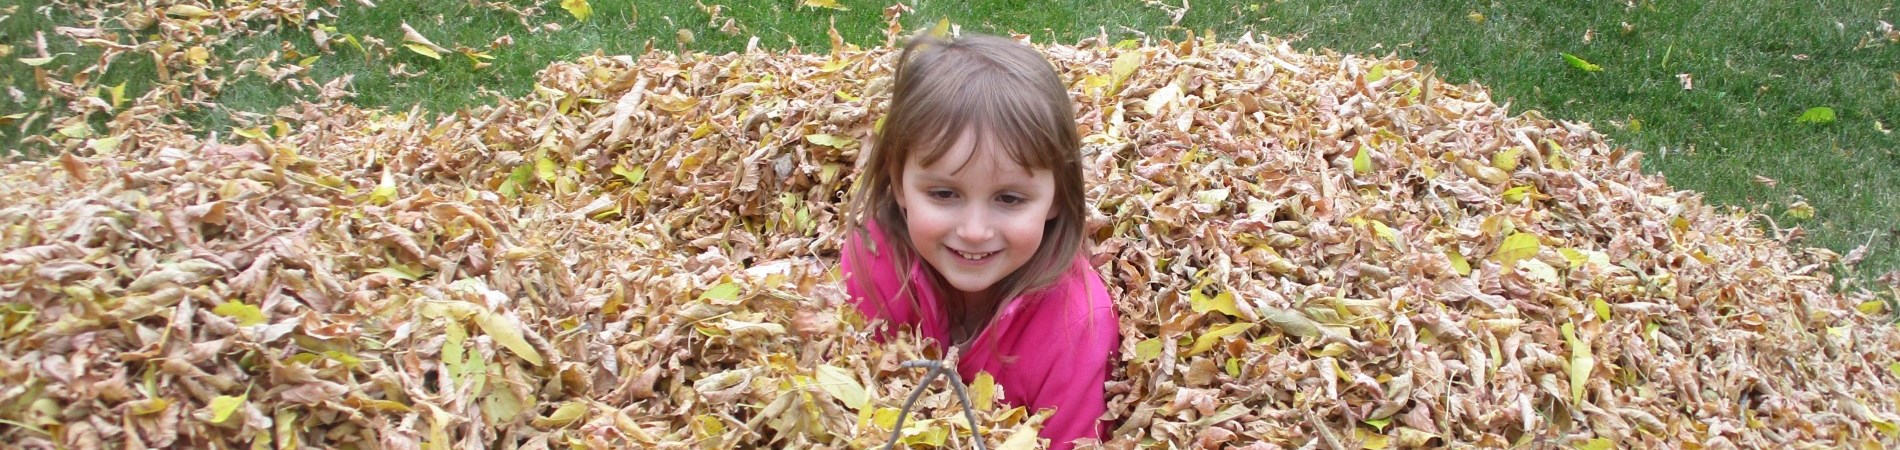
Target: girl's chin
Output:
[(971, 286)]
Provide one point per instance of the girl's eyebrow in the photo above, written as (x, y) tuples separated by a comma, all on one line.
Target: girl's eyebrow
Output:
[(1019, 186)]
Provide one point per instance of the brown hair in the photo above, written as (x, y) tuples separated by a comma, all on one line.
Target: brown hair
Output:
[(995, 87)]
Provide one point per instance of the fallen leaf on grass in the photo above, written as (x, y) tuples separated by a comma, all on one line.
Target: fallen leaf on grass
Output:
[(416, 42), (579, 8), (1818, 115), (1581, 64)]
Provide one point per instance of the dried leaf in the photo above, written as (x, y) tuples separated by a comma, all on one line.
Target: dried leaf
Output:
[(506, 330)]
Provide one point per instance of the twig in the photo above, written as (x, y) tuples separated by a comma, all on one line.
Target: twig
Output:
[(936, 369)]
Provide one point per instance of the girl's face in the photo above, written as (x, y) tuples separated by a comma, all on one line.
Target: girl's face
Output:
[(975, 215)]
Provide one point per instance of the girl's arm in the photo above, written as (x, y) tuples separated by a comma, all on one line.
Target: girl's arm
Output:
[(871, 280), (1076, 385)]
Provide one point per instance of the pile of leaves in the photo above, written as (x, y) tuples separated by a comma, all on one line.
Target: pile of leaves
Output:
[(1308, 250)]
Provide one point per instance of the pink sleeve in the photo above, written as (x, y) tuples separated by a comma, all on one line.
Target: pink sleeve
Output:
[(1077, 385), (870, 278)]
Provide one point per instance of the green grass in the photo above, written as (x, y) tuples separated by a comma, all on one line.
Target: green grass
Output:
[(1756, 66)]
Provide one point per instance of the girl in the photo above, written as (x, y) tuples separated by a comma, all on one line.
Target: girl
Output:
[(967, 228)]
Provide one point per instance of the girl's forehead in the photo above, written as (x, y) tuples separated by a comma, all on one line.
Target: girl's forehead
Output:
[(967, 152)]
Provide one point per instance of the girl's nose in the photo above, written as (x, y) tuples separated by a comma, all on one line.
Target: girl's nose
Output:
[(975, 227)]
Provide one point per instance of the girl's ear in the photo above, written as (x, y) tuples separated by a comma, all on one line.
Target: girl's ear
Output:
[(1054, 210)]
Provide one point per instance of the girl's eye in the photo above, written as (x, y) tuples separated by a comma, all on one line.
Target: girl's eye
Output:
[(1010, 199), (941, 194)]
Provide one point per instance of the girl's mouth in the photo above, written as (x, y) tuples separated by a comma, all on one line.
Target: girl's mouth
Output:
[(973, 256)]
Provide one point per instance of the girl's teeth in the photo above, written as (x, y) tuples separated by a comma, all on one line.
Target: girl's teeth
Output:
[(966, 255)]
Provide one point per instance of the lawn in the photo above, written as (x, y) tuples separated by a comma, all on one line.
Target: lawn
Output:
[(1711, 92)]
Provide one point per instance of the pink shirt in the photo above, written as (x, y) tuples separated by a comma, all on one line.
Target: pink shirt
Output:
[(1049, 349)]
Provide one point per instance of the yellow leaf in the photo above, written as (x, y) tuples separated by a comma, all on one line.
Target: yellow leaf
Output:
[(198, 55), (1598, 444), (1507, 160), (1886, 427), (1379, 423), (1581, 362), (1124, 65), (1517, 194), (941, 29), (1213, 197), (1388, 233), (118, 95), (423, 50), (1458, 262), (930, 433), (634, 175), (545, 169), (828, 140), (1843, 332), (148, 406), (36, 62), (1207, 341), (1373, 441), (835, 65), (1602, 307), (348, 360), (1149, 349), (1517, 247), (507, 332), (1377, 73), (1540, 271), (1223, 302), (1575, 257), (842, 386), (723, 293), (1801, 210), (351, 39), (246, 315), (224, 405), (833, 4), (568, 413), (1872, 307), (1894, 368), (418, 43), (708, 426), (579, 8), (1024, 437), (187, 11), (983, 391), (1362, 162), (1331, 349), (383, 194), (253, 133), (105, 145)]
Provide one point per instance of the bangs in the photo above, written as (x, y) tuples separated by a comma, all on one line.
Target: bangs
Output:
[(989, 99)]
